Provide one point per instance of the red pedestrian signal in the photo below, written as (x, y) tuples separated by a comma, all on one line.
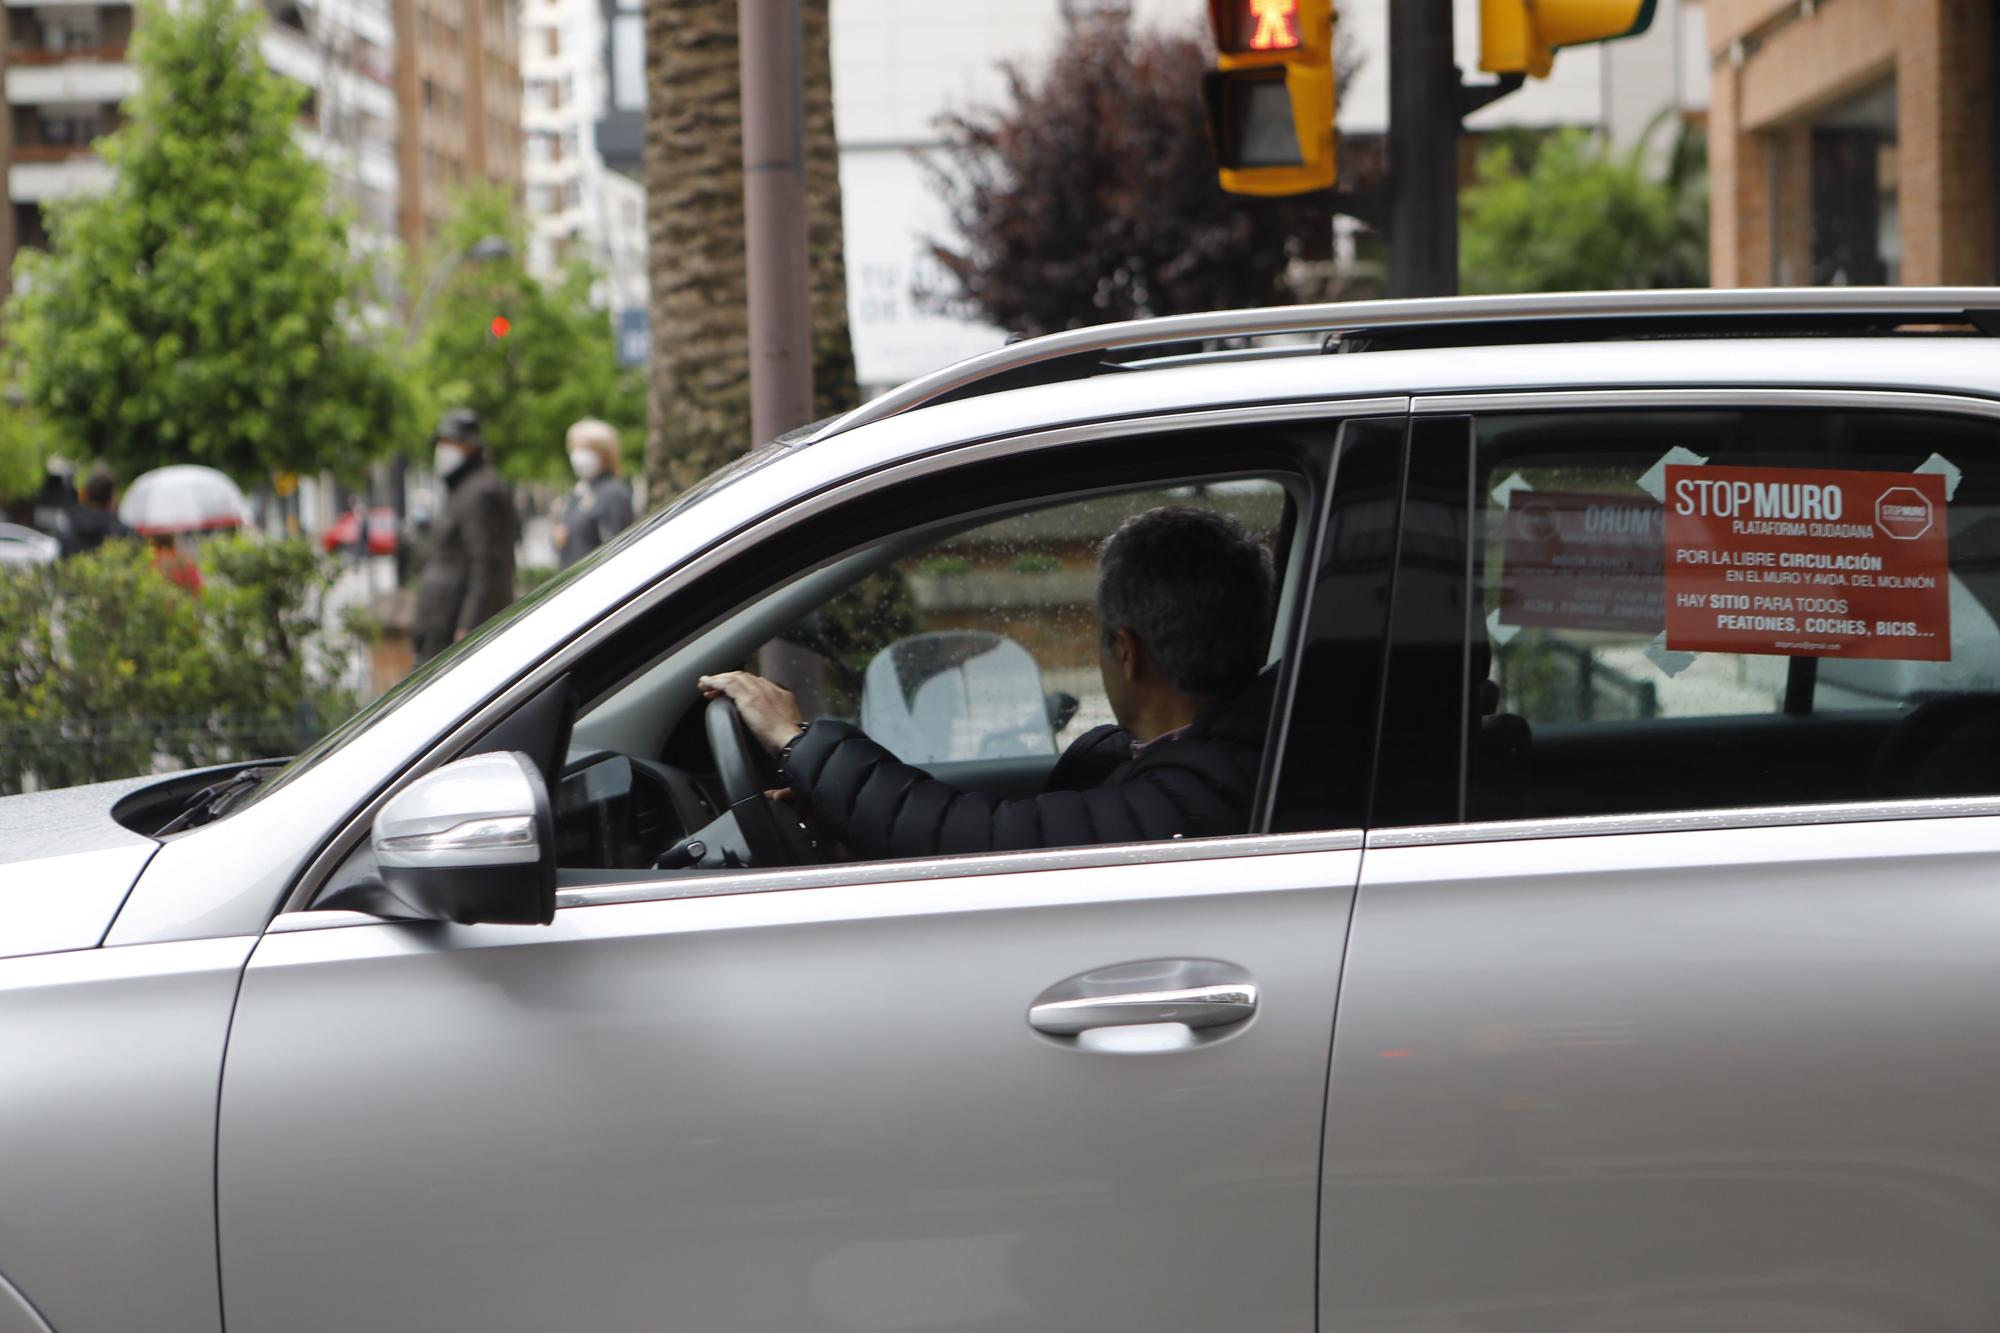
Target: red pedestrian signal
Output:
[(1271, 95), (1243, 26)]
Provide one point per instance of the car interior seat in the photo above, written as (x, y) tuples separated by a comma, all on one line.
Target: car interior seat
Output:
[(1499, 759), (1945, 747)]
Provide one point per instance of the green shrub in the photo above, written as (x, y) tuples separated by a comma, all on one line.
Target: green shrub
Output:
[(107, 669)]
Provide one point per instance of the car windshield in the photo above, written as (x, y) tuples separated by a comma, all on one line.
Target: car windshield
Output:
[(393, 698)]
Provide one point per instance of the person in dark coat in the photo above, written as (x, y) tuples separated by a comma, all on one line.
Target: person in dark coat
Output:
[(87, 526), (1184, 604), (469, 572), (601, 505)]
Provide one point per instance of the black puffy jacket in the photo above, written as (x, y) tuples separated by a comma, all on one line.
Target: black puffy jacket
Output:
[(1198, 785)]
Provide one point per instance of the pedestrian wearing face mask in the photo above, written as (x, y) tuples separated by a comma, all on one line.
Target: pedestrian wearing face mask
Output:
[(601, 505), (469, 574)]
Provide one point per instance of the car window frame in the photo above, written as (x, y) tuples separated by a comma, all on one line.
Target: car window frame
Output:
[(1777, 814), (1330, 412)]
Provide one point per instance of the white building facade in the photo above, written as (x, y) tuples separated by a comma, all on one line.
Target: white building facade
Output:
[(577, 206), (67, 71)]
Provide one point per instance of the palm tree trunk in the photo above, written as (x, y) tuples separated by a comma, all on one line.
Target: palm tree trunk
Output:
[(698, 404), (834, 388), (698, 398)]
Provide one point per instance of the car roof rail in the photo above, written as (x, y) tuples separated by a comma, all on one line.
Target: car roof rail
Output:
[(1452, 321)]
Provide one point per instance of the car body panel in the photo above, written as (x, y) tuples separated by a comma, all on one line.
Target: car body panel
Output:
[(26, 546), (792, 1109), (65, 866), (107, 1132), (16, 1315), (1725, 1078)]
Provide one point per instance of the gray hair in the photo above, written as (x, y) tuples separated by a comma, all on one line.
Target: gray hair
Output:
[(1195, 586)]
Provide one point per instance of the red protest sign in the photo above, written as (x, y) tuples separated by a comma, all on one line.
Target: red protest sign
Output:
[(1576, 561), (1807, 562)]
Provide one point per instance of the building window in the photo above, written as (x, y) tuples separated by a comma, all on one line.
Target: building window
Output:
[(628, 63), (65, 130), (1835, 216), (555, 41)]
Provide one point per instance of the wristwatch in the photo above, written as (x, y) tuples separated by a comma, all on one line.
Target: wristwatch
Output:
[(784, 755)]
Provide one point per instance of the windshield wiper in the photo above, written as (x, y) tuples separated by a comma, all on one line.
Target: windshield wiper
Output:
[(213, 801)]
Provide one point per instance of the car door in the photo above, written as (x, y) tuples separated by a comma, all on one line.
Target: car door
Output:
[(1676, 1004), (814, 1098)]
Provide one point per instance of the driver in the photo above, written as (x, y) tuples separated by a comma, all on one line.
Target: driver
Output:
[(1183, 600)]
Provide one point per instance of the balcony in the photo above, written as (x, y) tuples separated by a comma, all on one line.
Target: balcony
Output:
[(48, 152), (82, 79), (103, 55), (41, 182)]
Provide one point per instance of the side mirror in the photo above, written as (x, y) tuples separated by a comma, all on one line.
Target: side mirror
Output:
[(473, 841)]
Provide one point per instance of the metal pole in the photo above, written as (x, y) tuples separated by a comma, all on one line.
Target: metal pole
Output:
[(774, 215), (1424, 110)]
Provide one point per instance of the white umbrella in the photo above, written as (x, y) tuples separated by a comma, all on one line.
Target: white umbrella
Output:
[(183, 498)]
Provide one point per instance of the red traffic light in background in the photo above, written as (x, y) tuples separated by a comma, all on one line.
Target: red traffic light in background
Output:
[(500, 326), (1246, 26)]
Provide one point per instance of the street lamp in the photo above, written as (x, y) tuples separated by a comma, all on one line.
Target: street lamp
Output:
[(485, 250)]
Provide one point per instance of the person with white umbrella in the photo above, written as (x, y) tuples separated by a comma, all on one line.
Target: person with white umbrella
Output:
[(184, 498)]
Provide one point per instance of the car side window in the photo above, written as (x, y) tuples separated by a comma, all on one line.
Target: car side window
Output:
[(949, 630), (983, 644), (1693, 609)]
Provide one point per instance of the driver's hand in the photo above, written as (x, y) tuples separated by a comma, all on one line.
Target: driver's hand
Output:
[(769, 710)]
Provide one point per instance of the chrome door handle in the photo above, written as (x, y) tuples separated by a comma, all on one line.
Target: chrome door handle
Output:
[(1197, 1006)]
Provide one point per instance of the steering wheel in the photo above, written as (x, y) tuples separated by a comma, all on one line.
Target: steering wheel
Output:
[(773, 834)]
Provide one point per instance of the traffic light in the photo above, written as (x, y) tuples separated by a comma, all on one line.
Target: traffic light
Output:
[(500, 327), (1271, 96), (1522, 36)]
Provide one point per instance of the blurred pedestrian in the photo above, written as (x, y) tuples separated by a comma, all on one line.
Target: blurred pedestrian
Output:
[(469, 572), (87, 526), (175, 565), (56, 497), (600, 507)]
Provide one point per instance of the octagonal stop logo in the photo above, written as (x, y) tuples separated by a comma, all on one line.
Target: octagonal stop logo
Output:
[(1904, 513)]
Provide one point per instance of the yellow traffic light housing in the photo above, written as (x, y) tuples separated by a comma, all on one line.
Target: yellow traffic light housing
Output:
[(1271, 95), (1522, 36)]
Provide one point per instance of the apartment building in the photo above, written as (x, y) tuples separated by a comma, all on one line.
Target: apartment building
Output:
[(395, 133), (65, 73), (458, 89), (344, 52), (578, 207), (1853, 142)]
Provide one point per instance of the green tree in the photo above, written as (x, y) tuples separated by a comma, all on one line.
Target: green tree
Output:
[(109, 669), (23, 446), (556, 362), (1563, 213), (207, 308)]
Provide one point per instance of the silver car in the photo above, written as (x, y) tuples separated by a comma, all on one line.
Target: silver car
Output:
[(1616, 945)]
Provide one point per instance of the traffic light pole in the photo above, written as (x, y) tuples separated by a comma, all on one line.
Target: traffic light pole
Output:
[(1423, 150), (771, 55), (1427, 105)]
